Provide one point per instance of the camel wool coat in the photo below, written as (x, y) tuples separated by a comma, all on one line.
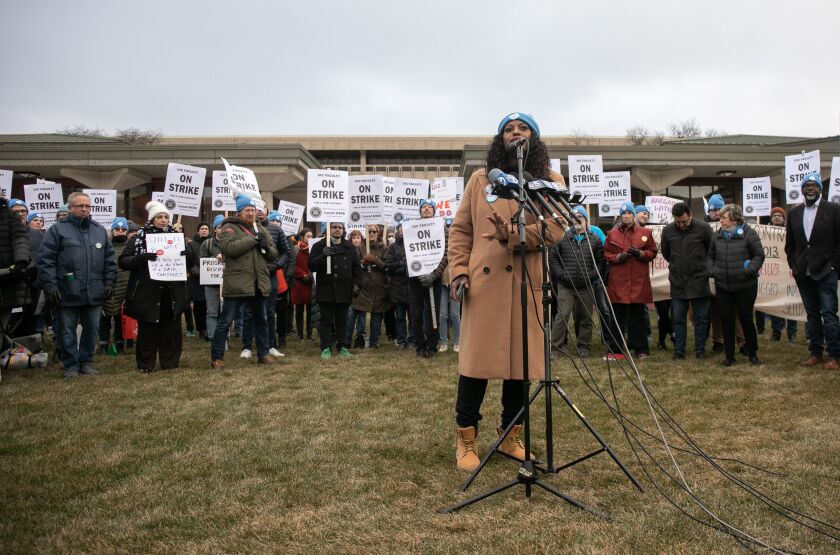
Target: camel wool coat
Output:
[(491, 329)]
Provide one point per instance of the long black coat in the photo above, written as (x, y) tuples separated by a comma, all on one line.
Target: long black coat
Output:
[(143, 294), (346, 271), (396, 267), (727, 257), (195, 291), (686, 252), (14, 247), (822, 253)]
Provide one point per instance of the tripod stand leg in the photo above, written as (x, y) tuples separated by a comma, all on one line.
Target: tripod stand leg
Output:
[(571, 500), (478, 498), (598, 437)]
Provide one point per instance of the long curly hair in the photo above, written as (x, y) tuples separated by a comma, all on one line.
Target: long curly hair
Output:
[(537, 161)]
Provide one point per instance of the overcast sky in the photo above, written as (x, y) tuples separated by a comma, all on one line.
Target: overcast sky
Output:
[(419, 68)]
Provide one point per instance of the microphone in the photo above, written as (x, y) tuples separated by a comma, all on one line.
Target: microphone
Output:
[(511, 146), (504, 184)]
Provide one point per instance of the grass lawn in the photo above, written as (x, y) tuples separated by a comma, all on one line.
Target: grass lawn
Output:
[(356, 455)]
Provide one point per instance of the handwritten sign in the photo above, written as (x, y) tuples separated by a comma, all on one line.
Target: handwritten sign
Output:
[(660, 209), (210, 271), (170, 265)]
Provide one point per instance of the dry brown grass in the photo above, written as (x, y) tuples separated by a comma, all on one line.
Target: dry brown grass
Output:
[(356, 456)]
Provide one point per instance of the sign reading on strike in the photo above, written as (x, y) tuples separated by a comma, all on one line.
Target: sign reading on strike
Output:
[(183, 190), (170, 265), (326, 196), (388, 205), (103, 206), (44, 197), (425, 244), (6, 183), (241, 180), (616, 193), (797, 166), (291, 216), (366, 204), (834, 183), (210, 271), (586, 177), (660, 209), (757, 200), (223, 197), (407, 196)]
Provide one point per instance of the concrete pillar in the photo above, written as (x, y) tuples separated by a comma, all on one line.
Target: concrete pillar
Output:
[(656, 181)]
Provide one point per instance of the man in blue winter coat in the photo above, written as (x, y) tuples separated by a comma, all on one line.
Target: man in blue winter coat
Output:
[(77, 273)]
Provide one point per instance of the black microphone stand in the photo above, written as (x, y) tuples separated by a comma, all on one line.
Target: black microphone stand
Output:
[(528, 474)]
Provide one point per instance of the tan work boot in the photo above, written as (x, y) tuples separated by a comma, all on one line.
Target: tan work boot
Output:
[(512, 445), (465, 454)]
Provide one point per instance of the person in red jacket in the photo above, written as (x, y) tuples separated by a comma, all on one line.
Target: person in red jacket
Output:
[(629, 250), (302, 287)]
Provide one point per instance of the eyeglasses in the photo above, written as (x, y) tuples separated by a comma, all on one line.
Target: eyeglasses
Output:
[(80, 206)]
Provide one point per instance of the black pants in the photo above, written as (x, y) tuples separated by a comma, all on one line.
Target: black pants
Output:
[(299, 310), (740, 304), (632, 316), (390, 324), (420, 310), (333, 325), (663, 316), (280, 313), (471, 395), (159, 338)]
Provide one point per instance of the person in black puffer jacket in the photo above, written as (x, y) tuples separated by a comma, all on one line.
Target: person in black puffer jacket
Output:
[(396, 268), (735, 258), (14, 255)]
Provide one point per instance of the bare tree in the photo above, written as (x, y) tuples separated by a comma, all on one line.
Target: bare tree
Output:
[(579, 136), (657, 138), (637, 135), (712, 132), (135, 136), (82, 131), (688, 129)]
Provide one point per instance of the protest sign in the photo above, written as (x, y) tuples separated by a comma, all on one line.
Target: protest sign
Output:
[(291, 216), (326, 194), (424, 245), (757, 200), (6, 177), (241, 180), (556, 165), (170, 265), (183, 189), (616, 193), (223, 198), (797, 166), (660, 209), (407, 196), (586, 177), (365, 200), (388, 205), (834, 182), (210, 271), (157, 196), (444, 192), (103, 206), (44, 197)]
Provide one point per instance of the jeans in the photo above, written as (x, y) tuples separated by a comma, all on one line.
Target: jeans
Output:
[(74, 354), (400, 313), (230, 309), (211, 296), (701, 323), (270, 315), (820, 300), (449, 311), (355, 321), (778, 324)]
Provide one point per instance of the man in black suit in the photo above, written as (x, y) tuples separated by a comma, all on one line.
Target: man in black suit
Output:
[(812, 245)]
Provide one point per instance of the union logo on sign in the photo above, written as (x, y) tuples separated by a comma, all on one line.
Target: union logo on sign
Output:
[(794, 195), (355, 217), (315, 212), (170, 204), (416, 265), (749, 209)]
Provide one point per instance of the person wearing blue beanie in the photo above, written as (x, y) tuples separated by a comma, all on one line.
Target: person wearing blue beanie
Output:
[(217, 221), (274, 216), (429, 203), (527, 119), (62, 212), (627, 207), (642, 214), (34, 215), (812, 178), (19, 208), (713, 206), (244, 201), (641, 208), (121, 222)]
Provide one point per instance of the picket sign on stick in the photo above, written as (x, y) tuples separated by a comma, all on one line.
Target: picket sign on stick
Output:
[(183, 189), (834, 182), (241, 180), (170, 264), (797, 166), (586, 177), (6, 177), (756, 196)]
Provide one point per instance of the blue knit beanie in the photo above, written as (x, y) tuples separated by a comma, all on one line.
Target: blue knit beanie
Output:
[(17, 202), (715, 202), (810, 178), (217, 221), (528, 119), (627, 207), (641, 208), (582, 211), (274, 216), (33, 215), (119, 221), (243, 202), (427, 202)]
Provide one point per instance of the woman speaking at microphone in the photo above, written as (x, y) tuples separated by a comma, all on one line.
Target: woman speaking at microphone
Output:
[(484, 265)]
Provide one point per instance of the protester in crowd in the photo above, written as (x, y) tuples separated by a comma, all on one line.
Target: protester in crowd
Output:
[(450, 310), (397, 270), (112, 307), (576, 262), (373, 298), (276, 304), (735, 258), (247, 247), (14, 257), (30, 320), (778, 218), (713, 207), (286, 298), (484, 263), (685, 245), (335, 287), (664, 326), (812, 246), (35, 221), (356, 319), (19, 208), (421, 291), (156, 305), (629, 250), (302, 288), (77, 273), (62, 212), (210, 249), (195, 291)]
